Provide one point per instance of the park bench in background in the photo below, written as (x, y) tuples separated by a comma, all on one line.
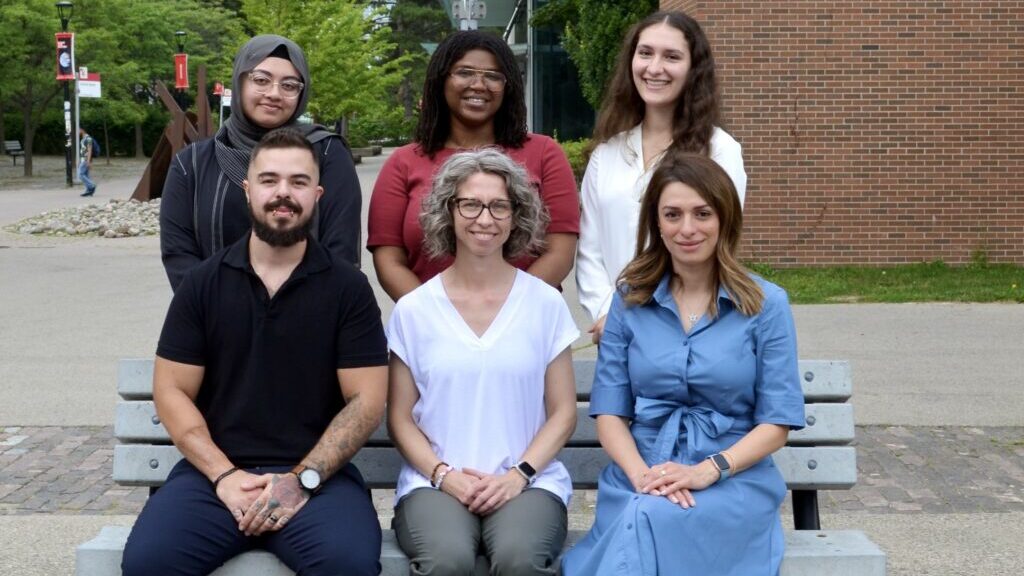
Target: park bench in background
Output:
[(13, 149), (818, 457)]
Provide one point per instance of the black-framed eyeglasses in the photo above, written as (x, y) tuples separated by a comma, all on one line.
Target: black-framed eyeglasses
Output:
[(492, 79), (262, 83), (471, 208)]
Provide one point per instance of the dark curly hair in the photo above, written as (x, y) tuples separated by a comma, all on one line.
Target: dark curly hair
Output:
[(435, 122), (696, 111)]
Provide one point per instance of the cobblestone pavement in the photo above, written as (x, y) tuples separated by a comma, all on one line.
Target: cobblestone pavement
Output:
[(66, 470)]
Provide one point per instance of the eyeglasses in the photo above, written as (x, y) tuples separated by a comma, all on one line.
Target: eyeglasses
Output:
[(493, 80), (471, 208), (263, 83)]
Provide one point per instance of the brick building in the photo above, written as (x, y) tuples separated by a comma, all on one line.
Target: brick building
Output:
[(878, 132)]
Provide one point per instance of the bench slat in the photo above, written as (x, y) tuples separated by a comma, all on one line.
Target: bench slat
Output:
[(822, 380), (135, 378), (827, 424), (804, 468), (808, 553)]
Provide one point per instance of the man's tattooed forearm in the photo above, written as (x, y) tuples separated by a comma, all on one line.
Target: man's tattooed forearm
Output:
[(345, 435)]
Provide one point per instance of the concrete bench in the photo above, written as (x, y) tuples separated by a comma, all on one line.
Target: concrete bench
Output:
[(818, 457), (13, 149)]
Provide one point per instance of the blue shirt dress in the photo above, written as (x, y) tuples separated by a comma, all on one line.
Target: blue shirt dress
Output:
[(690, 395)]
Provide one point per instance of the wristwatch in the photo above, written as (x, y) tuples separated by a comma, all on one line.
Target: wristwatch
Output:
[(309, 478), (722, 463), (527, 471)]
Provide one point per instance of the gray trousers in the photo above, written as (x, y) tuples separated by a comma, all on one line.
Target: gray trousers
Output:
[(442, 538)]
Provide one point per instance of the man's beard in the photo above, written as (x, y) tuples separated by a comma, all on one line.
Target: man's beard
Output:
[(281, 238)]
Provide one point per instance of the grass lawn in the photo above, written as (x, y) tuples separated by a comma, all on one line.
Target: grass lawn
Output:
[(931, 282)]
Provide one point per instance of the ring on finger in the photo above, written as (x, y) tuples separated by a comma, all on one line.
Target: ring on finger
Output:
[(662, 472), (273, 519)]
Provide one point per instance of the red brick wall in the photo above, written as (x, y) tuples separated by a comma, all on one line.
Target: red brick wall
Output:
[(875, 132)]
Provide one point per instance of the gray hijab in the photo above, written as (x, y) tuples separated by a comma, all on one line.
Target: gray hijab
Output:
[(237, 137)]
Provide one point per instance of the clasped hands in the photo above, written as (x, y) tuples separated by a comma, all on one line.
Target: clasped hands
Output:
[(262, 503), (482, 493), (675, 481)]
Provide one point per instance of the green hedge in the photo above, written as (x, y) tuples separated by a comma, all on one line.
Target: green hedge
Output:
[(576, 152)]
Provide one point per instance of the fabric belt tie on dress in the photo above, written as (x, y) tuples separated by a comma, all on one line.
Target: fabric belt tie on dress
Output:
[(672, 418)]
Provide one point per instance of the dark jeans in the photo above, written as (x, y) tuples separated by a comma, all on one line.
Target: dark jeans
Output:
[(184, 529)]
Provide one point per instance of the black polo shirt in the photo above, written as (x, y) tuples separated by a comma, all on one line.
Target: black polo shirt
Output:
[(270, 385)]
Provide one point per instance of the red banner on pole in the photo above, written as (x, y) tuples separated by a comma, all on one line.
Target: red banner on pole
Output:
[(181, 71), (65, 55)]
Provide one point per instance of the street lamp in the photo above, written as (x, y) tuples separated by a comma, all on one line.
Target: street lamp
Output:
[(64, 11), (180, 69)]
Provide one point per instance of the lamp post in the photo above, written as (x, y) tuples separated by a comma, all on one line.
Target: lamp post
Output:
[(64, 10), (180, 60)]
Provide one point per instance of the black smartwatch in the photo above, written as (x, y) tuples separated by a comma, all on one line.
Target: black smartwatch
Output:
[(722, 463), (309, 478), (527, 471)]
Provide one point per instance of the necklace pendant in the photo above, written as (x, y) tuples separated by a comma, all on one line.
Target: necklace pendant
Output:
[(693, 318)]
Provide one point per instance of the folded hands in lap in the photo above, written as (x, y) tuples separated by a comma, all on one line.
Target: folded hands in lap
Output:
[(272, 501), (483, 493)]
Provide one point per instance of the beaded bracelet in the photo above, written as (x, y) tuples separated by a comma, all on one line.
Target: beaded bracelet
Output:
[(433, 473), (223, 476), (440, 477)]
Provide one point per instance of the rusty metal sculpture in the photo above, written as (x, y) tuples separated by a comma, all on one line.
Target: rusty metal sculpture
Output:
[(183, 129)]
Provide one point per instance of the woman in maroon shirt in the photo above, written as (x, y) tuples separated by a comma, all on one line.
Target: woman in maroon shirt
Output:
[(473, 97)]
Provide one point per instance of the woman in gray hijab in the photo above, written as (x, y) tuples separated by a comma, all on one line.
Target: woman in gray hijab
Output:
[(204, 207)]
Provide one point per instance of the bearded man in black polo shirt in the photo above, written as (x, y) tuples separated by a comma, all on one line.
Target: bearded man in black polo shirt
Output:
[(270, 375)]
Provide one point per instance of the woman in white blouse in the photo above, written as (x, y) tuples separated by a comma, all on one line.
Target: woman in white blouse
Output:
[(482, 395), (663, 95)]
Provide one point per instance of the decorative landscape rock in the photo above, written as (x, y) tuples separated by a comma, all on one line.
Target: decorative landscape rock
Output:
[(115, 219)]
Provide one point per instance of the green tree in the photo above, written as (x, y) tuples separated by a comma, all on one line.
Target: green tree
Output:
[(413, 23), (592, 33), (27, 83)]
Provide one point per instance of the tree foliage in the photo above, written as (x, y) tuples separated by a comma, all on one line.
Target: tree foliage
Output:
[(592, 33)]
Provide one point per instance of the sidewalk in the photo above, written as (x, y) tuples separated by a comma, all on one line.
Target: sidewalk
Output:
[(938, 391)]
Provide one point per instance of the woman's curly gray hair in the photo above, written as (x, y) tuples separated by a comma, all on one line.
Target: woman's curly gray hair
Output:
[(529, 215)]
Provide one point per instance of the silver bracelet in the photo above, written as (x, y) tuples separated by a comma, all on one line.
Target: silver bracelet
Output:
[(441, 475)]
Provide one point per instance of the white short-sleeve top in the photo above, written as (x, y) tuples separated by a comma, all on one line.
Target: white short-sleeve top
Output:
[(613, 185), (482, 398)]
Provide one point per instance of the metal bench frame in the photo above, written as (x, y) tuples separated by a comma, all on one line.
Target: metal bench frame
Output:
[(13, 149)]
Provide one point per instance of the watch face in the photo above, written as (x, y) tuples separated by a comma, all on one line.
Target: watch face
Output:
[(720, 462), (310, 479), (527, 469)]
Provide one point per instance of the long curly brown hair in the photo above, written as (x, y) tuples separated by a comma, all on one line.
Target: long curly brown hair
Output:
[(696, 113), (641, 276)]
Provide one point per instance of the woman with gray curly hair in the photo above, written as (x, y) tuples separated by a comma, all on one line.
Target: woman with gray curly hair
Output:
[(482, 393)]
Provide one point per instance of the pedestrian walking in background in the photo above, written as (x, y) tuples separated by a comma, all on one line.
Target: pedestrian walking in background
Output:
[(86, 150)]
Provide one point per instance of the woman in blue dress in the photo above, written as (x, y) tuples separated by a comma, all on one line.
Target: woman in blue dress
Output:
[(696, 386)]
